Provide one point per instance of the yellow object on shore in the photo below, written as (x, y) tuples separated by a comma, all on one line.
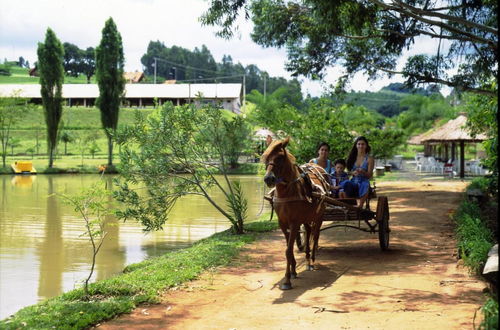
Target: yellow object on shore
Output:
[(23, 167)]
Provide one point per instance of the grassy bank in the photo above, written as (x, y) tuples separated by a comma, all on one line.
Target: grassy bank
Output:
[(143, 282), (475, 237)]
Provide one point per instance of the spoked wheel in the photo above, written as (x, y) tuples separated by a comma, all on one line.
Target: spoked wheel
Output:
[(382, 218), (301, 238)]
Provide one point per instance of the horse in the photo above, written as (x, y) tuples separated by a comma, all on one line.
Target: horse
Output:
[(293, 202)]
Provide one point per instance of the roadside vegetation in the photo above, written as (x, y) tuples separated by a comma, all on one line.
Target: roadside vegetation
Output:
[(476, 225), (143, 282)]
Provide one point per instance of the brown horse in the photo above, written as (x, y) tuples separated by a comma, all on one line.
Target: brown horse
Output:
[(293, 202)]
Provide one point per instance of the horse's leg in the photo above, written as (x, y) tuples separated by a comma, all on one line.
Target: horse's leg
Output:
[(316, 231), (290, 259), (308, 246), (284, 229)]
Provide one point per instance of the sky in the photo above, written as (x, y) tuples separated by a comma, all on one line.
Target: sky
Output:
[(174, 22)]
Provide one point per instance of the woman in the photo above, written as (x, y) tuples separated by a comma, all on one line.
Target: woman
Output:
[(323, 151), (360, 164)]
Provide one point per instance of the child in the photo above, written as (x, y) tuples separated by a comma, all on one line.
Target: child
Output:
[(338, 177)]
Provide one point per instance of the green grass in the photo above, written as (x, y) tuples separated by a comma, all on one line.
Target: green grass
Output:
[(140, 283), (77, 121), (21, 76)]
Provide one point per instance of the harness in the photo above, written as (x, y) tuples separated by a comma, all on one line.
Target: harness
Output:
[(310, 186)]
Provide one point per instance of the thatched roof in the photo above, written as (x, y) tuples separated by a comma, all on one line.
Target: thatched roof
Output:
[(454, 130), (133, 77), (417, 139)]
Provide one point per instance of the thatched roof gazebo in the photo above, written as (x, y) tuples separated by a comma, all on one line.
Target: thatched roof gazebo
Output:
[(455, 132), (417, 139)]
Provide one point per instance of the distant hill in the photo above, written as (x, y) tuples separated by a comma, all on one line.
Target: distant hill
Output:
[(386, 101)]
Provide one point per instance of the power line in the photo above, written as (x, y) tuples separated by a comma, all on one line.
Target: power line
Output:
[(184, 66)]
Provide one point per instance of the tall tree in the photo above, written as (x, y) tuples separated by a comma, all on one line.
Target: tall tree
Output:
[(72, 59), (51, 71), (109, 74), (369, 36), (88, 63)]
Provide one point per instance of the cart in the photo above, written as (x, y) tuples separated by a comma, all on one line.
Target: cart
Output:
[(344, 213)]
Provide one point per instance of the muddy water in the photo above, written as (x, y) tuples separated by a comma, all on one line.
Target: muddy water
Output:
[(42, 253)]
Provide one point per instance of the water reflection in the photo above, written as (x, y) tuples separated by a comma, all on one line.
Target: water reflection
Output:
[(51, 250), (42, 253)]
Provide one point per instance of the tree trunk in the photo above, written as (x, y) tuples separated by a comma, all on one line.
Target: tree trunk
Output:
[(65, 148), (110, 151), (51, 157)]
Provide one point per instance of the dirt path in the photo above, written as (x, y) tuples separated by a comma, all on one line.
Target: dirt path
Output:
[(417, 284)]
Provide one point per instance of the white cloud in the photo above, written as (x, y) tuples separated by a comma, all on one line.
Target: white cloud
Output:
[(23, 25)]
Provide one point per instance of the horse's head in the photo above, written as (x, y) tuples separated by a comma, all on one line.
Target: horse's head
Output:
[(278, 162)]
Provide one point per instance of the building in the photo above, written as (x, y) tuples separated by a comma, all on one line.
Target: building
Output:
[(133, 77), (227, 96)]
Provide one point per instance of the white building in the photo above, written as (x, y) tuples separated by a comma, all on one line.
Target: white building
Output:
[(228, 96)]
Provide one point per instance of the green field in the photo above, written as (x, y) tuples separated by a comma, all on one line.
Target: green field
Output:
[(21, 76), (82, 124)]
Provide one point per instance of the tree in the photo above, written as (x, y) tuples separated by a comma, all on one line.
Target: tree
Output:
[(236, 135), (94, 148), (482, 117), (72, 59), (66, 137), (176, 151), (88, 63), (320, 124), (109, 73), (369, 36), (422, 112), (91, 205), (51, 71), (12, 110), (384, 142), (14, 143)]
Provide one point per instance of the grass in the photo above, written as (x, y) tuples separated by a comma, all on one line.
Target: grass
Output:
[(21, 76), (143, 282)]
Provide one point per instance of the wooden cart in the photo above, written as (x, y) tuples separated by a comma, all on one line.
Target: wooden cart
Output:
[(345, 213)]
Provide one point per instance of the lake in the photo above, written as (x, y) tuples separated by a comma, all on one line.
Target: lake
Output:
[(42, 253)]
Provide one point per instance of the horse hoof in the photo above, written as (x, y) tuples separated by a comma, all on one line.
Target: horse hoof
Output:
[(286, 286), (310, 267), (293, 275)]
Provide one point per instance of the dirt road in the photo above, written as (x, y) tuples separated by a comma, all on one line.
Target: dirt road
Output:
[(417, 284)]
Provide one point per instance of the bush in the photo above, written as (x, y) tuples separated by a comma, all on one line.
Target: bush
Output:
[(5, 70), (474, 238)]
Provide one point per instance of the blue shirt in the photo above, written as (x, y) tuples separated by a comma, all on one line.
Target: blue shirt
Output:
[(328, 167)]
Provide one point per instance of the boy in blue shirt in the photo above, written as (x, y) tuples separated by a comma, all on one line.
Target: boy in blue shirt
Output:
[(338, 177)]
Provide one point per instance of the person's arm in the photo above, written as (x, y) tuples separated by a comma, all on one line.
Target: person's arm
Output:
[(371, 164)]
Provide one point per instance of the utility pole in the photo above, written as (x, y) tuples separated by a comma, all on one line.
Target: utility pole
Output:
[(155, 70), (265, 87), (244, 91)]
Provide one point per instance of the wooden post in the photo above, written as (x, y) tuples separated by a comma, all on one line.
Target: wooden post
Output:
[(462, 160)]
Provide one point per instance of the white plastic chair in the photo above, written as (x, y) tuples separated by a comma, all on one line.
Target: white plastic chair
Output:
[(423, 165)]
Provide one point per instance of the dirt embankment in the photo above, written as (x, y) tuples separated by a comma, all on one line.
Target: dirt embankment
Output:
[(417, 284)]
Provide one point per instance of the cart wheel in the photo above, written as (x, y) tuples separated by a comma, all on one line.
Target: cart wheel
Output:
[(301, 238), (382, 218)]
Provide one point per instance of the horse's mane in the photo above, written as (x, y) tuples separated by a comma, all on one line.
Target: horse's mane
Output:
[(275, 146)]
